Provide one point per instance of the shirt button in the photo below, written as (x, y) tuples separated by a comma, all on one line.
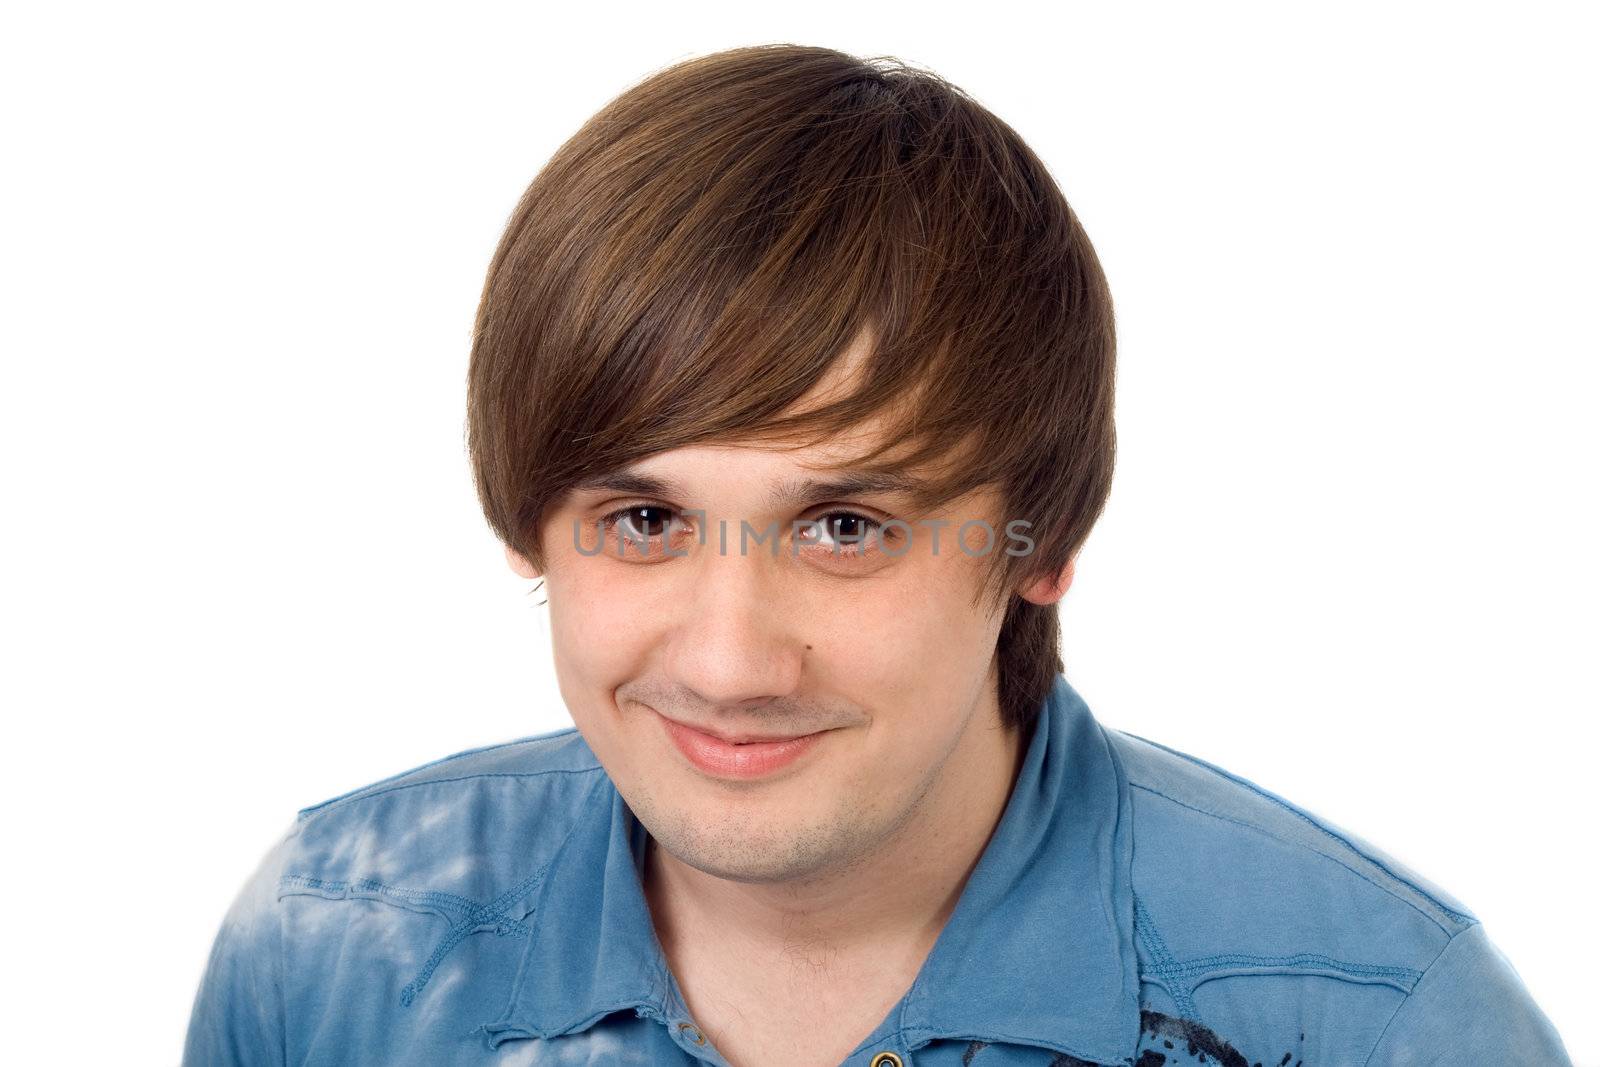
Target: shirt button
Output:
[(695, 1035), (886, 1059)]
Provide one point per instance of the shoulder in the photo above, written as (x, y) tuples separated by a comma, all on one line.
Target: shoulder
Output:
[(445, 824), (1268, 929), (1247, 906), (1265, 927), (1203, 830), (349, 913)]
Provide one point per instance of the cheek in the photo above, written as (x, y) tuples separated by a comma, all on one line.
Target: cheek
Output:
[(597, 639), (595, 608), (923, 639)]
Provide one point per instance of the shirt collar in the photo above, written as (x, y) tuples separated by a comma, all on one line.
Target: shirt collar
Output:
[(1039, 949)]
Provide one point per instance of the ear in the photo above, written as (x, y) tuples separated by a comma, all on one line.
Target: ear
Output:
[(1049, 588), (520, 564)]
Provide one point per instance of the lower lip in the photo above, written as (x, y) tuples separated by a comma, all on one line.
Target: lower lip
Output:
[(755, 760)]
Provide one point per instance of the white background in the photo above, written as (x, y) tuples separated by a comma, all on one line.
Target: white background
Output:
[(1350, 553)]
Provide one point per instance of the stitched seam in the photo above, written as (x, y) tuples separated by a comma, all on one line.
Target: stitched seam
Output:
[(1331, 859), (1165, 966), (1157, 980), (482, 916), (313, 812), (1304, 817), (372, 889), (1299, 959), (373, 885), (1124, 845)]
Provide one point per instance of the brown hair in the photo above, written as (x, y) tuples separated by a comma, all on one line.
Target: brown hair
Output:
[(694, 259)]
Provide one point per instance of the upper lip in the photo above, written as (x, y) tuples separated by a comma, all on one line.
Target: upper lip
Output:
[(738, 737)]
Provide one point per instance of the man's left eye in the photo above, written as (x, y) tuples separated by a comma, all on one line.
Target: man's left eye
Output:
[(865, 530)]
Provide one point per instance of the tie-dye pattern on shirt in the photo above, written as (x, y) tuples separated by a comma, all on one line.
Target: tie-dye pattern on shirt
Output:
[(1135, 906)]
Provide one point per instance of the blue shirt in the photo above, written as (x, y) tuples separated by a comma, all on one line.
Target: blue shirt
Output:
[(1135, 906)]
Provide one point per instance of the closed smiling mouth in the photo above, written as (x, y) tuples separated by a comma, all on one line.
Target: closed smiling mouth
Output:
[(738, 754), (738, 737)]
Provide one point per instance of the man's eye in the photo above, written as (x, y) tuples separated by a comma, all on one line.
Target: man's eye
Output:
[(638, 523), (847, 533)]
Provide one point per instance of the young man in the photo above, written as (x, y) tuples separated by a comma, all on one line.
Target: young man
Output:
[(792, 380)]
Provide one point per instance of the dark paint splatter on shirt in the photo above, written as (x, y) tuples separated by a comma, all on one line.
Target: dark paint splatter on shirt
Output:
[(1179, 1037), (1202, 1044)]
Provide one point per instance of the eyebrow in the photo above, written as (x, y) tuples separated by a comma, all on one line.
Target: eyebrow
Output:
[(793, 493)]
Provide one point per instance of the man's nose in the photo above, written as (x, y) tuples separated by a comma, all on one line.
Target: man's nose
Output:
[(739, 640)]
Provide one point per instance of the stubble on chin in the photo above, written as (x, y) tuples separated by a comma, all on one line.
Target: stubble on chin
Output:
[(733, 849)]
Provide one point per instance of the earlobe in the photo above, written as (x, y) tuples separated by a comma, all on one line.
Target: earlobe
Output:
[(519, 563), (1049, 588)]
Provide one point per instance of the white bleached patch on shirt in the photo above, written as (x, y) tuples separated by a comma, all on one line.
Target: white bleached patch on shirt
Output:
[(456, 869), (440, 1003), (435, 814), (395, 934), (423, 844)]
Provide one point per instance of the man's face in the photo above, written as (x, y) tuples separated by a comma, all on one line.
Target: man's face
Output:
[(883, 650), (887, 656)]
